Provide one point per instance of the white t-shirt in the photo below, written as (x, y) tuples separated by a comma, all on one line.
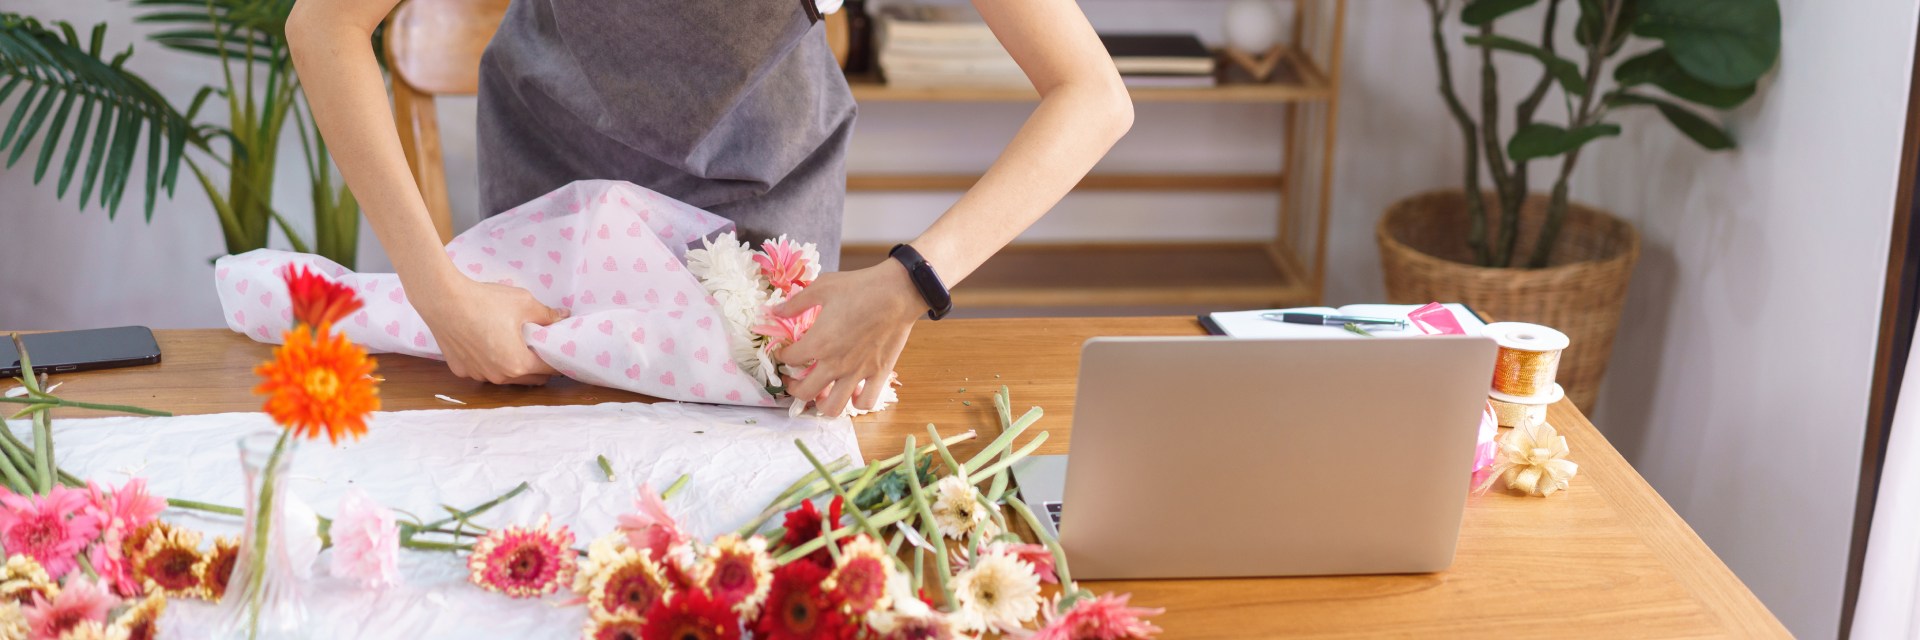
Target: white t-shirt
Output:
[(828, 6)]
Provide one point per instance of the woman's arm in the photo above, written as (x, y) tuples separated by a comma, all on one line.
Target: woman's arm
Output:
[(1084, 108), (477, 325)]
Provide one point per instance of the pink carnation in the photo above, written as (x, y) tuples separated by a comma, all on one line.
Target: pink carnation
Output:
[(80, 601), (651, 527), (366, 542), (784, 263), (50, 528), (1104, 617)]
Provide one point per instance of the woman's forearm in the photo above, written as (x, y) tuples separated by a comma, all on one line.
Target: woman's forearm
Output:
[(341, 78), (1084, 108), (1067, 134)]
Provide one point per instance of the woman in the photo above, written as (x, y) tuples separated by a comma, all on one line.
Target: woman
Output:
[(734, 106)]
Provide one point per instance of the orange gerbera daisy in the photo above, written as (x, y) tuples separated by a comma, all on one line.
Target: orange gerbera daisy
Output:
[(319, 382), (317, 300)]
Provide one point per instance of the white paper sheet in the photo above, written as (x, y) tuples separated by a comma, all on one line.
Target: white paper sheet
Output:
[(418, 460)]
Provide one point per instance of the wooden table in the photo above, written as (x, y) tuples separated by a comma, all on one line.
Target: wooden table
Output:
[(1607, 557)]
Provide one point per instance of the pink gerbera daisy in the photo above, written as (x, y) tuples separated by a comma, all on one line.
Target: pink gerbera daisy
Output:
[(79, 602), (1104, 617), (785, 264), (785, 331), (125, 508), (523, 562), (650, 527), (51, 528)]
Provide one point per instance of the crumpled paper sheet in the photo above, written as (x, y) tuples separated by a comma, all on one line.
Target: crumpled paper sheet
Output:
[(418, 460), (612, 252)]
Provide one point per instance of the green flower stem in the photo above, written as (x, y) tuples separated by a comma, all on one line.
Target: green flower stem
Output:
[(836, 466), (14, 461), (919, 562), (429, 545), (1008, 433), (881, 518), (809, 492), (262, 525), (946, 456), (1008, 461), (605, 467), (468, 514), (998, 487), (866, 478), (179, 503), (27, 378), (678, 484), (56, 401), (939, 541), (1059, 554), (846, 500), (43, 453)]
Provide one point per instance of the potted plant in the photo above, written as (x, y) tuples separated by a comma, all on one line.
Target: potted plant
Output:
[(68, 87), (1517, 254)]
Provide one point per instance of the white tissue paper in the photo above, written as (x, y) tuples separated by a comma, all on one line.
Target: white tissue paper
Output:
[(611, 252), (738, 460)]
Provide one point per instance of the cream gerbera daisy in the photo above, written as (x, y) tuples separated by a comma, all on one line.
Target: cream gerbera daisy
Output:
[(738, 570), (13, 622), (86, 630), (140, 622), (22, 577), (861, 577), (600, 554), (167, 560), (997, 593), (957, 509), (625, 586)]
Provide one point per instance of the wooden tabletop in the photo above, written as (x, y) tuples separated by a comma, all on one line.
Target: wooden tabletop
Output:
[(1607, 557)]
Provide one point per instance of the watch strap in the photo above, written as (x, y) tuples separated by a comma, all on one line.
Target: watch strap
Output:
[(932, 290)]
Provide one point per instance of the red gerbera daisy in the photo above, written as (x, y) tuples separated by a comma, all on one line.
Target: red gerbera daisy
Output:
[(317, 300), (804, 524), (690, 615), (799, 607)]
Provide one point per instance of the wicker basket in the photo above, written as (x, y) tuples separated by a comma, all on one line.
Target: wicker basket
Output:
[(1424, 252)]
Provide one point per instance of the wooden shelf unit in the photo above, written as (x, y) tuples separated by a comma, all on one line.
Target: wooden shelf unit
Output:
[(1285, 270)]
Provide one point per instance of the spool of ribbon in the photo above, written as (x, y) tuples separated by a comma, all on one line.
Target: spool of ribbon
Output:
[(1528, 359), (1514, 414)]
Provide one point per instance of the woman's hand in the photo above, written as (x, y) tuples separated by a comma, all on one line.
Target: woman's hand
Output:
[(478, 326), (865, 317)]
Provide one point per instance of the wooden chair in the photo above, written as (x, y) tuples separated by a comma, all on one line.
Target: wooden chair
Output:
[(433, 49)]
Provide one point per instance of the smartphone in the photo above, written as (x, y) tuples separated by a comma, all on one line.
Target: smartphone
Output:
[(64, 351)]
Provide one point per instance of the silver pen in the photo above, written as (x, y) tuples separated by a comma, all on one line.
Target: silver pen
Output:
[(1295, 317)]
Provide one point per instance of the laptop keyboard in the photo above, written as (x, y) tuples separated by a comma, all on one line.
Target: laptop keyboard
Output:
[(1053, 512)]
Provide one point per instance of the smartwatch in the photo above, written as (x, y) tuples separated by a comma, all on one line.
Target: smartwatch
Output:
[(939, 301)]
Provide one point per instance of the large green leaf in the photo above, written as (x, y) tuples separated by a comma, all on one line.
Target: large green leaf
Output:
[(1658, 68), (66, 82), (1564, 71), (1593, 21), (1545, 140), (1698, 128), (1725, 43), (1479, 12)]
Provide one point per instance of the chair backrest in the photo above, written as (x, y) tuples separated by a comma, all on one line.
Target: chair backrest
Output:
[(433, 48)]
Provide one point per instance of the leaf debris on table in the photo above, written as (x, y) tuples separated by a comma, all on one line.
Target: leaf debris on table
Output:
[(444, 398)]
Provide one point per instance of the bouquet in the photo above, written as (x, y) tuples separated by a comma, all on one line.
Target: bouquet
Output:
[(907, 547), (746, 283)]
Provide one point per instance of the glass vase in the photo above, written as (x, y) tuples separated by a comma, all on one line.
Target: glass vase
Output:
[(263, 599)]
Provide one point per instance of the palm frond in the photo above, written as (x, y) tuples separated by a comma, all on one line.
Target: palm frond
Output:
[(216, 27), (67, 88)]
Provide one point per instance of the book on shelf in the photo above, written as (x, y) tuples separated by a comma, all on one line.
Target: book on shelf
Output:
[(1169, 81), (1158, 53), (943, 45)]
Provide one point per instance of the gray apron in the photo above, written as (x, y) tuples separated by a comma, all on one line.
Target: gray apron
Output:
[(733, 106)]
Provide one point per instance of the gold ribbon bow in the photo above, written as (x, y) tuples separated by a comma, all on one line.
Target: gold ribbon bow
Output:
[(1533, 460)]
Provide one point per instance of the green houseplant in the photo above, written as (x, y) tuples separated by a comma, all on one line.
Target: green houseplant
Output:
[(1518, 254), (61, 80)]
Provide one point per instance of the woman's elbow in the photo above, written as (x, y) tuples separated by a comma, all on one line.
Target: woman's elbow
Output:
[(1116, 107), (309, 27)]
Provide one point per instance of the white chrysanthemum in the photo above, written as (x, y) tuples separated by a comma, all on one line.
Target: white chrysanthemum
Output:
[(722, 259), (957, 509), (998, 593), (909, 612)]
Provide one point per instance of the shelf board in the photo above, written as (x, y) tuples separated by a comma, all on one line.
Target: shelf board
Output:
[(1296, 80), (1256, 182), (1226, 274)]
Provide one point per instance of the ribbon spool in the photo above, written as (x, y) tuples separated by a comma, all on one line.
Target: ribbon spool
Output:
[(1528, 359), (1514, 414)]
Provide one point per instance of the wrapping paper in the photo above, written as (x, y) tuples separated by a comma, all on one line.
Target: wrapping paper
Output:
[(611, 252), (414, 461)]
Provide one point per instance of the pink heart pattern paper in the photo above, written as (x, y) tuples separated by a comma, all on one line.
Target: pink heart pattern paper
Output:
[(637, 329)]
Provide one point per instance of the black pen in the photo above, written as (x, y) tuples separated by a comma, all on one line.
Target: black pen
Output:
[(1294, 317)]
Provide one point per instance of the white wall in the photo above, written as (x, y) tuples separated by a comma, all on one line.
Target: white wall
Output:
[(1749, 429)]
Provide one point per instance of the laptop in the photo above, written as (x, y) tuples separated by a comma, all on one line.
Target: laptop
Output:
[(1203, 457)]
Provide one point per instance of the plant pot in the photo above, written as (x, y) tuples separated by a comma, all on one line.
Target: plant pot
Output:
[(1424, 254)]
